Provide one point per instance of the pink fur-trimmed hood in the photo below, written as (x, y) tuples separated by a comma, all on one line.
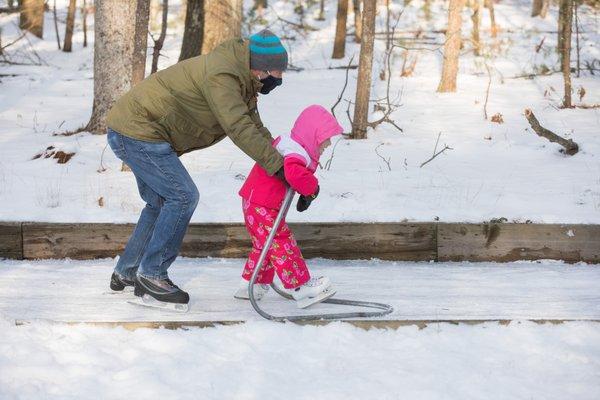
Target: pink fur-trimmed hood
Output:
[(314, 126)]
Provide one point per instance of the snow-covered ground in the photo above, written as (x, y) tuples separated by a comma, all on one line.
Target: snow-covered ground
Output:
[(260, 360), (263, 360), (494, 170), (65, 290)]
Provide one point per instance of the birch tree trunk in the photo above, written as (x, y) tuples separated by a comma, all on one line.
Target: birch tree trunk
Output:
[(365, 67), (113, 49), (32, 17), (339, 44), (140, 42), (452, 47), (222, 21), (540, 7), (565, 27), (194, 29), (68, 45)]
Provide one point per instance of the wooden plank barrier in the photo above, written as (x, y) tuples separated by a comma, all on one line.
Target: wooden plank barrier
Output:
[(389, 241), (11, 240), (510, 242)]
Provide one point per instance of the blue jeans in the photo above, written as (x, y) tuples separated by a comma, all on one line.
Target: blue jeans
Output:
[(171, 198)]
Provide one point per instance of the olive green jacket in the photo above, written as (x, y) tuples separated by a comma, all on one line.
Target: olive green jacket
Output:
[(196, 103)]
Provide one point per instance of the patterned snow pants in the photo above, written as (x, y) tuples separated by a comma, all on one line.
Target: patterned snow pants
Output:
[(284, 257)]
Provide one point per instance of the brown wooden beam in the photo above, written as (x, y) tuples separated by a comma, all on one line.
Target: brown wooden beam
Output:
[(11, 240), (504, 242)]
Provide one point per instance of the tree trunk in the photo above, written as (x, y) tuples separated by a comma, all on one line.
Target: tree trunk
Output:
[(476, 19), (489, 4), (452, 47), (56, 25), (565, 27), (84, 13), (222, 21), (113, 49), (321, 16), (365, 67), (339, 44), (140, 42), (357, 20), (70, 24), (540, 7), (32, 17), (158, 44), (193, 32)]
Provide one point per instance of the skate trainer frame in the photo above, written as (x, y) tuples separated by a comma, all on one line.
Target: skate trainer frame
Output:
[(383, 308)]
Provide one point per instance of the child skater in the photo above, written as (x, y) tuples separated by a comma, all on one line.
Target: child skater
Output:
[(262, 197)]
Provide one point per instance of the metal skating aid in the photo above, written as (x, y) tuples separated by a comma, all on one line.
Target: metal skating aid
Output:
[(383, 308)]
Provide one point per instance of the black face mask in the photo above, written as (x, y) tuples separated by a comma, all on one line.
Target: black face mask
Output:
[(270, 83)]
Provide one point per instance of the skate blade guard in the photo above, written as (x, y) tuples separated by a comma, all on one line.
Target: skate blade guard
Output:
[(384, 309), (148, 301)]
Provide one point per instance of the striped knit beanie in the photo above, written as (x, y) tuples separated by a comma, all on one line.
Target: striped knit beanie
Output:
[(267, 53)]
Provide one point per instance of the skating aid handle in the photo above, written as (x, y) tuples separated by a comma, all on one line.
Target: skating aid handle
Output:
[(287, 201)]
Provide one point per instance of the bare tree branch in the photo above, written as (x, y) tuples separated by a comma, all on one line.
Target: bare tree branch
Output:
[(446, 147), (389, 159), (570, 146), (344, 88)]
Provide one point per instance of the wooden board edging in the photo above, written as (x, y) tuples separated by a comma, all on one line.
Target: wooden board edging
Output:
[(11, 240), (419, 241), (503, 242)]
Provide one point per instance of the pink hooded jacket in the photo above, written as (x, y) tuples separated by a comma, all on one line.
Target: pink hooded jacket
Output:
[(300, 151)]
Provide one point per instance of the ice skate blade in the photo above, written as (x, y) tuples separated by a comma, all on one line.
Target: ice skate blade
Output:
[(126, 290), (149, 301), (244, 296), (305, 303)]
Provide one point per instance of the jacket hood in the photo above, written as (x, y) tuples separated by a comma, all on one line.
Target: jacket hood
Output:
[(238, 53), (314, 126)]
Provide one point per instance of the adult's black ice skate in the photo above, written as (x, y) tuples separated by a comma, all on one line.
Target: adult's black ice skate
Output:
[(160, 293), (119, 282)]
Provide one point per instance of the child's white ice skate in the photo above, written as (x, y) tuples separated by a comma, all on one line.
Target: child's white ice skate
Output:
[(312, 292), (259, 291)]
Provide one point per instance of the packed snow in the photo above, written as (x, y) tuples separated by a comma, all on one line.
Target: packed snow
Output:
[(493, 170), (262, 360)]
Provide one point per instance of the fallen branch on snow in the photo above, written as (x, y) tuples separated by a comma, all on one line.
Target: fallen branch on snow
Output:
[(570, 146)]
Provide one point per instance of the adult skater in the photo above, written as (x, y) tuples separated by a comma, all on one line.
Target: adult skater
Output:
[(189, 106)]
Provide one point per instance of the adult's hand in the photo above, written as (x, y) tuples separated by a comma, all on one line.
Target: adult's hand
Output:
[(281, 175)]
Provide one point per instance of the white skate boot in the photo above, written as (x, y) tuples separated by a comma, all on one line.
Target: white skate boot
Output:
[(312, 292), (259, 291)]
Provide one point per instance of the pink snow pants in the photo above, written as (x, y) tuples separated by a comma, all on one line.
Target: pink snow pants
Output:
[(284, 257)]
